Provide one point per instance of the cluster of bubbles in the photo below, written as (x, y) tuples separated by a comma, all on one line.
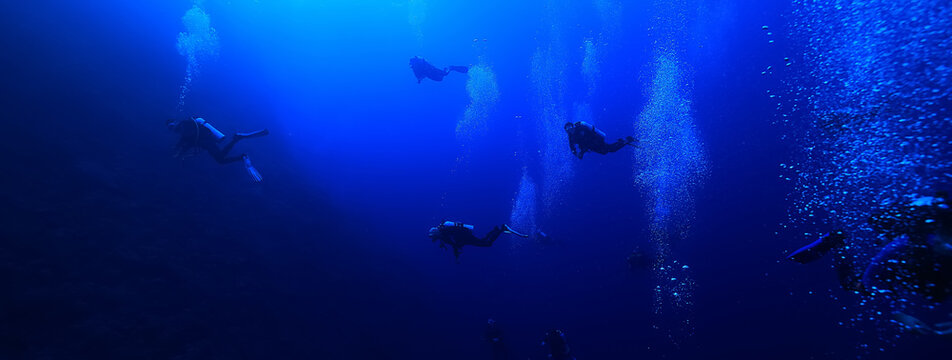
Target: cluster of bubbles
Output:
[(869, 113), (416, 16), (547, 75), (548, 72), (590, 68), (198, 44), (483, 96), (523, 216), (610, 13), (583, 112), (670, 164), (594, 48), (591, 74)]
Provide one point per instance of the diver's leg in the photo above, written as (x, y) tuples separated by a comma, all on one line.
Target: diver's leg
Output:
[(227, 148), (222, 159), (487, 240), (615, 146), (231, 159), (241, 136), (219, 155), (259, 133), (602, 148), (630, 140)]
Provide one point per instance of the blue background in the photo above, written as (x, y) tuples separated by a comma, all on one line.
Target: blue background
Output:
[(112, 249)]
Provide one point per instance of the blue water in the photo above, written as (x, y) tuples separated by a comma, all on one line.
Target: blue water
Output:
[(110, 248)]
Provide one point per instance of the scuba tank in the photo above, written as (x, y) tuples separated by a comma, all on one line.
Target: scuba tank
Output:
[(454, 223), (217, 134), (592, 127)]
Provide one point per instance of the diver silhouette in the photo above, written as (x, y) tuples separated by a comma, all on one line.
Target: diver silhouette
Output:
[(588, 138), (424, 70), (197, 134), (457, 234), (916, 260)]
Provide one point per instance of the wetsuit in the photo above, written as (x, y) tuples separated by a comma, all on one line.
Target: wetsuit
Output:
[(424, 70), (195, 135), (587, 138), (457, 235)]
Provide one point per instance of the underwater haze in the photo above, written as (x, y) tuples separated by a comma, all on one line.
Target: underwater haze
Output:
[(757, 127)]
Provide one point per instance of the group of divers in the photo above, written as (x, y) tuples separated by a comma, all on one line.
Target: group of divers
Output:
[(917, 256), (197, 134)]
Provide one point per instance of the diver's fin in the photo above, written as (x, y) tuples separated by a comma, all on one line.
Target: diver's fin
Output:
[(508, 230), (630, 141), (255, 175), (459, 69)]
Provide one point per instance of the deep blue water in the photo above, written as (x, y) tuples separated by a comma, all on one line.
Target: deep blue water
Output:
[(112, 248)]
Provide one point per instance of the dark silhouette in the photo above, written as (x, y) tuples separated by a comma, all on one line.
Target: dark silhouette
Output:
[(424, 70), (848, 273), (817, 249), (556, 347), (640, 259), (494, 337), (197, 134), (917, 259), (457, 235), (588, 138)]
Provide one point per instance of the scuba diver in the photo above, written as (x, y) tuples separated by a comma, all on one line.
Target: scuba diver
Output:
[(640, 259), (588, 138), (545, 239), (494, 337), (917, 259), (197, 134), (457, 235), (556, 347), (422, 70)]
